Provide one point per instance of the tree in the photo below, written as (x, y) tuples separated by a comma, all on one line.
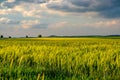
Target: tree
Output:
[(26, 36), (9, 37), (1, 36), (40, 36)]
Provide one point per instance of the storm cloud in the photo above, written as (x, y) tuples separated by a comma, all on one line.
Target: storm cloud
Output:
[(105, 8)]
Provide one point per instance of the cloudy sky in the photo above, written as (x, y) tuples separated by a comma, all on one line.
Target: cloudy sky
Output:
[(59, 17)]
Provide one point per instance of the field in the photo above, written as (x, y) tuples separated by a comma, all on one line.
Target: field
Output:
[(60, 59)]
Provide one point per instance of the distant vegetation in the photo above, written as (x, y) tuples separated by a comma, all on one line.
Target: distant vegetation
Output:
[(9, 37), (56, 36), (26, 36), (40, 36), (87, 36), (1, 36)]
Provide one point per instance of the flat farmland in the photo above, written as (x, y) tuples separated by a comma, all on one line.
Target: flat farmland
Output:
[(60, 59)]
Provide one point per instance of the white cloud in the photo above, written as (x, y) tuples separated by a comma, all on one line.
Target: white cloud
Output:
[(4, 20), (100, 24), (32, 11), (7, 11), (11, 0), (29, 23), (58, 25)]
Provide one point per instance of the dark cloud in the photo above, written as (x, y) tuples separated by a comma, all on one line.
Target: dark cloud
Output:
[(8, 4), (33, 1), (84, 3), (112, 13), (106, 8), (2, 0)]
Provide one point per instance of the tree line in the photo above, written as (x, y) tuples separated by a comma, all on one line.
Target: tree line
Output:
[(39, 36)]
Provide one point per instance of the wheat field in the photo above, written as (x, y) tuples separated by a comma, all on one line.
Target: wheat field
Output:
[(60, 59)]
